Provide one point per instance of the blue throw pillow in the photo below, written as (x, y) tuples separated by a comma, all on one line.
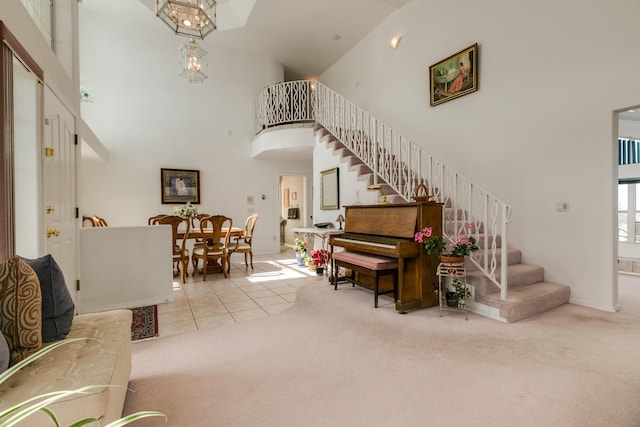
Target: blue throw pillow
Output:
[(57, 305), (5, 355)]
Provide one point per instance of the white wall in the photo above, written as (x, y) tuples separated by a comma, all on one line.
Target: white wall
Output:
[(353, 190), (149, 118), (112, 277), (537, 132), (629, 129)]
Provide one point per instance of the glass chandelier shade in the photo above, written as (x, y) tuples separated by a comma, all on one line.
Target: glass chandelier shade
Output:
[(189, 18), (193, 62)]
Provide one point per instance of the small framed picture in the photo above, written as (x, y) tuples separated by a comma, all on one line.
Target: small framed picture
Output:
[(454, 76), (180, 186)]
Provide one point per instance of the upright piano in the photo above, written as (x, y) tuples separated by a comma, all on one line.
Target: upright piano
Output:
[(388, 230)]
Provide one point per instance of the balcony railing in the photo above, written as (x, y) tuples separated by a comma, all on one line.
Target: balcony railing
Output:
[(399, 163)]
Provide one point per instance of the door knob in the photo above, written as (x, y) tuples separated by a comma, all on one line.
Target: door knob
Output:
[(52, 232)]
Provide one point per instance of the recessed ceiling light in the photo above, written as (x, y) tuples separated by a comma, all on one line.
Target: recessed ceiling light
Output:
[(631, 111), (336, 36)]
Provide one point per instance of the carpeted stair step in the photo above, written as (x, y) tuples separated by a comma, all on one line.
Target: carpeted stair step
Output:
[(518, 274), (529, 300)]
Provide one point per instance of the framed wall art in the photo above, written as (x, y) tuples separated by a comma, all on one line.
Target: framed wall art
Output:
[(454, 76), (330, 189), (180, 186)]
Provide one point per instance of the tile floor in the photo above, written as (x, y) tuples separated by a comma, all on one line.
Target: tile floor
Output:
[(246, 294)]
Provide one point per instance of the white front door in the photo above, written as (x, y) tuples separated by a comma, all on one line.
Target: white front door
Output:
[(59, 187)]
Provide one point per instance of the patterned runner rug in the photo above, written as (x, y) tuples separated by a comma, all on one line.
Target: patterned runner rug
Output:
[(145, 322)]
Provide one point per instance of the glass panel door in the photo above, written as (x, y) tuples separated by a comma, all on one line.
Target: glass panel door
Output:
[(26, 108)]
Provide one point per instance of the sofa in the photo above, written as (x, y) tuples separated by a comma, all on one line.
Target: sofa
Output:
[(104, 360)]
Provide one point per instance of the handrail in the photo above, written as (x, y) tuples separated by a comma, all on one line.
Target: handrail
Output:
[(399, 163)]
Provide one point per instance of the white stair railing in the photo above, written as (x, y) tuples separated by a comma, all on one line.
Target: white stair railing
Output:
[(399, 163)]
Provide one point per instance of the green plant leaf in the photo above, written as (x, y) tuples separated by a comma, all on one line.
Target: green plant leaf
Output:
[(25, 411), (13, 415), (138, 415)]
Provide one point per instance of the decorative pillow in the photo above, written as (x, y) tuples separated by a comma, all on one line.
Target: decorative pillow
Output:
[(4, 354), (57, 305), (20, 308)]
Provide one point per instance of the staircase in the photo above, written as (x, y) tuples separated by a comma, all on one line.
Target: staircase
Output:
[(382, 157)]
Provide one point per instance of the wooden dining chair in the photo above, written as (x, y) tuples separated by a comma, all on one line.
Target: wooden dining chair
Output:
[(178, 246), (96, 221), (152, 218), (243, 244), (195, 224), (215, 231)]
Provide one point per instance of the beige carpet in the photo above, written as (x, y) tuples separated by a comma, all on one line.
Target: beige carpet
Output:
[(334, 360)]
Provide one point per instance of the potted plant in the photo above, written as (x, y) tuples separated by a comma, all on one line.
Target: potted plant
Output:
[(300, 247), (452, 299), (461, 292), (454, 251), (320, 258)]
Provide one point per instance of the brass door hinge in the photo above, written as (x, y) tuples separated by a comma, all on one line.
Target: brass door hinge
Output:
[(77, 284), (49, 152)]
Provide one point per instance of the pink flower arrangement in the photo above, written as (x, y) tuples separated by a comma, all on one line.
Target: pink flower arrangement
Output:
[(462, 245)]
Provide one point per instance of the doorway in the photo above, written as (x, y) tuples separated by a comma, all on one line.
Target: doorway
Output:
[(628, 193), (293, 212)]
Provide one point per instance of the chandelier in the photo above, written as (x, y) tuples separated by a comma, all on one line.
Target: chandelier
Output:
[(193, 62), (189, 18)]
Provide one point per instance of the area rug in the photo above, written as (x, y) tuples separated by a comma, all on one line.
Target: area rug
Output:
[(145, 322)]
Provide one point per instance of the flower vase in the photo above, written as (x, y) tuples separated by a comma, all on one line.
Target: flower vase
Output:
[(299, 259)]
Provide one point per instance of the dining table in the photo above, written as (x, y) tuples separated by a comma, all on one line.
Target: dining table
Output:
[(196, 233)]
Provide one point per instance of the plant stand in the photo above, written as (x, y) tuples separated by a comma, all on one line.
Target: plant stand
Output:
[(447, 273)]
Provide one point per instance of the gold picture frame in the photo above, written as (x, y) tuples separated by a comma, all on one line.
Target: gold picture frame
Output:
[(330, 189), (454, 76)]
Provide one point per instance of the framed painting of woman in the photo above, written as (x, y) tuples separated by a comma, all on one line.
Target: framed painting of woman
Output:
[(180, 186), (454, 76)]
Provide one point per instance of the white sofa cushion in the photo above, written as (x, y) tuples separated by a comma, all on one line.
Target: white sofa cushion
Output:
[(79, 364)]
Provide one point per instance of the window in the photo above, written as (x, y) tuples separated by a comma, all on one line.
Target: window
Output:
[(629, 212), (40, 11)]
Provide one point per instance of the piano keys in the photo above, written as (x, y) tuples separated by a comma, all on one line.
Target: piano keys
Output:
[(388, 230)]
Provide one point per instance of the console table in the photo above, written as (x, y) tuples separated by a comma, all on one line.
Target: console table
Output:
[(322, 233)]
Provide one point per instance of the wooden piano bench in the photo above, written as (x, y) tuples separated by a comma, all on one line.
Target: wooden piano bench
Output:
[(366, 264)]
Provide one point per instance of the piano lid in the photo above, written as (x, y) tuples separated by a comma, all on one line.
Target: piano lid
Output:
[(382, 220)]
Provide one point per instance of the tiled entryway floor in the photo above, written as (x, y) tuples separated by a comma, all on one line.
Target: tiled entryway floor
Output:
[(246, 294)]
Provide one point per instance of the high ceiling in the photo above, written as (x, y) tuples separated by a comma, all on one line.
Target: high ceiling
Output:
[(305, 36)]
